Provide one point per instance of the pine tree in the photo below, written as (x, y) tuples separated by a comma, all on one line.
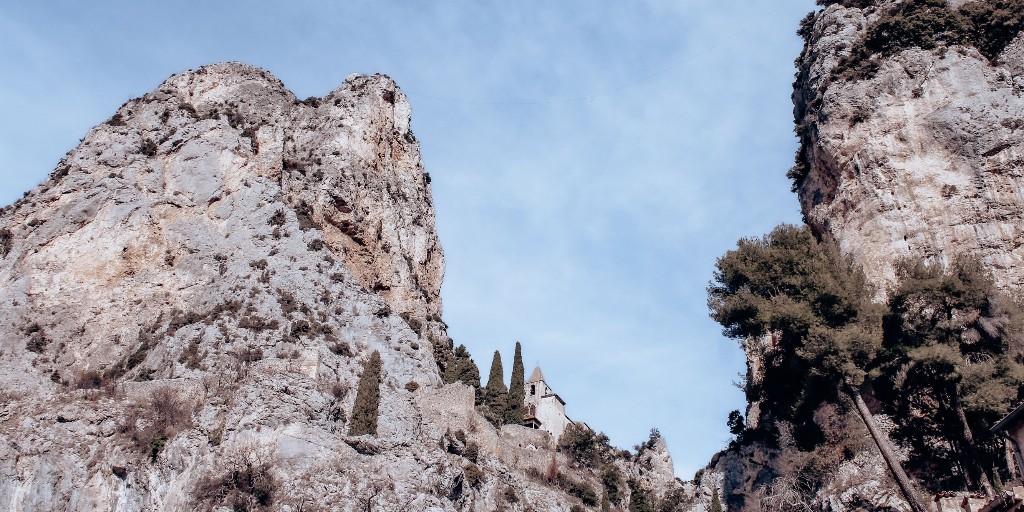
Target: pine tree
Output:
[(815, 305), (951, 368), (516, 390), (496, 394), (364, 412)]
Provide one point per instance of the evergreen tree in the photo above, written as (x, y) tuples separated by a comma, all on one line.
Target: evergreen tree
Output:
[(364, 412), (716, 503), (815, 306), (445, 359), (462, 369), (516, 390), (496, 394), (951, 368)]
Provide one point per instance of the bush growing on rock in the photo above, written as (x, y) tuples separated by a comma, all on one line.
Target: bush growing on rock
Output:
[(148, 147), (584, 447), (247, 484), (988, 26), (150, 424), (37, 340), (995, 24), (5, 242), (474, 475), (579, 489), (952, 368)]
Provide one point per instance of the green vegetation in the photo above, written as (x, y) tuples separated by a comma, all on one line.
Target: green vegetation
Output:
[(988, 26), (612, 480), (813, 305), (735, 423), (813, 308), (640, 499), (457, 366), (951, 368), (516, 389), (364, 412), (995, 24), (495, 394), (943, 356), (585, 448), (716, 503), (848, 3), (579, 489), (5, 242)]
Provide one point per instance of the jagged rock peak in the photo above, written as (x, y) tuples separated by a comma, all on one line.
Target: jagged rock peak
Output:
[(188, 303), (213, 162)]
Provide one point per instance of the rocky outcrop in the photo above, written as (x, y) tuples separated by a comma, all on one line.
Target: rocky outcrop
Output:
[(187, 302), (924, 158)]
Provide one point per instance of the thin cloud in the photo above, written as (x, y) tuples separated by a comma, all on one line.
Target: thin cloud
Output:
[(590, 161)]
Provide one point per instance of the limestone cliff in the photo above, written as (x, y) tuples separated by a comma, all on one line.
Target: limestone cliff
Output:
[(187, 302), (922, 157)]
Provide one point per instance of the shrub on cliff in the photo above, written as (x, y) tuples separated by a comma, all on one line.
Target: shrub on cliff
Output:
[(365, 410), (5, 242), (584, 447), (986, 25), (995, 24), (246, 484), (860, 4), (150, 424), (458, 366)]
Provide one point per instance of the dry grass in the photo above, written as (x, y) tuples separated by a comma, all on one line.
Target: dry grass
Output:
[(149, 424)]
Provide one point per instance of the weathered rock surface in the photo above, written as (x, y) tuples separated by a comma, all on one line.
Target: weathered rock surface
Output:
[(186, 303), (924, 159)]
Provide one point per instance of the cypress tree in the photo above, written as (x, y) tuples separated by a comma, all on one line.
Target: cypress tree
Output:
[(364, 412), (516, 389), (716, 503), (445, 359), (462, 369), (496, 394)]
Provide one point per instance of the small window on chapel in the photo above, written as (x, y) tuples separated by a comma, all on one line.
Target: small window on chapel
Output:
[(533, 389)]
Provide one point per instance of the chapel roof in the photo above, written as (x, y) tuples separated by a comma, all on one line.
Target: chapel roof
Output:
[(536, 376)]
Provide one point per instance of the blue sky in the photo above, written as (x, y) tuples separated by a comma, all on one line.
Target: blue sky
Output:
[(590, 160)]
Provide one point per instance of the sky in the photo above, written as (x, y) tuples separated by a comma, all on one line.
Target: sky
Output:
[(589, 159)]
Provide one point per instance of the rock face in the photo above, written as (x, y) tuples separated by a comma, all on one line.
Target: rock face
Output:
[(924, 159), (187, 302)]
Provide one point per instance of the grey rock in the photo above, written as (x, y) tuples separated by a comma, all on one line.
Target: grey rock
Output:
[(187, 302)]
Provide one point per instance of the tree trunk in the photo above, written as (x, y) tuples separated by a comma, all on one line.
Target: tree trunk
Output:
[(882, 442), (969, 450)]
